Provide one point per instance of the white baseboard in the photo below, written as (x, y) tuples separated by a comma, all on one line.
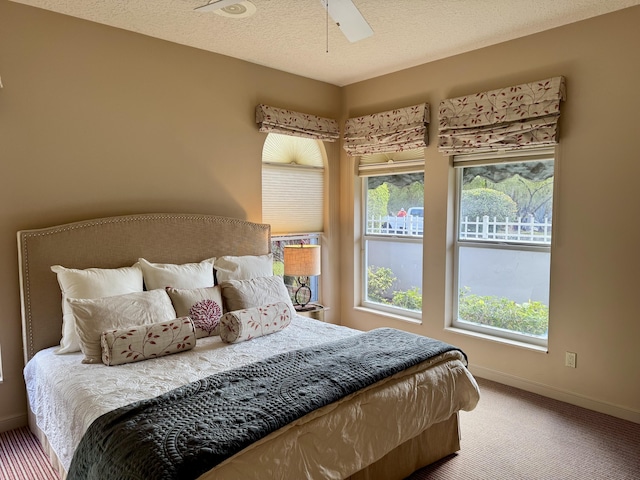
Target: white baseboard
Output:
[(10, 423), (556, 393)]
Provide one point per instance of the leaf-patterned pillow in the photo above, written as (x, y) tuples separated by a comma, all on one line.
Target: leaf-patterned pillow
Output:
[(241, 325), (139, 343), (203, 305)]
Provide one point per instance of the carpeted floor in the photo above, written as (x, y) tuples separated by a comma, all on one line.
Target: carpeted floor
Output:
[(517, 435), (22, 458), (511, 435)]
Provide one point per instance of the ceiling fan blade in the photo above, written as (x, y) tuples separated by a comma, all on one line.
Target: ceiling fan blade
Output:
[(348, 18), (210, 7)]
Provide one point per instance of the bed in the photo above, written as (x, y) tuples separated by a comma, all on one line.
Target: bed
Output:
[(385, 430)]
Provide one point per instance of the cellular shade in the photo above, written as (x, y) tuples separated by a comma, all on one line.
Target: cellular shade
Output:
[(292, 184), (292, 199)]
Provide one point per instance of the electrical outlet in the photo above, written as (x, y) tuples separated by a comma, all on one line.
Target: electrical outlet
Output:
[(570, 359)]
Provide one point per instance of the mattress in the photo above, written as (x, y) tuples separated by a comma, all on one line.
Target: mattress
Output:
[(66, 396)]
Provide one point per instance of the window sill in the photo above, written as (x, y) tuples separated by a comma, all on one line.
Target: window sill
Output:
[(504, 341), (393, 316)]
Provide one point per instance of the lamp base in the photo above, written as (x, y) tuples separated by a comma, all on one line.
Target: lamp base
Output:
[(302, 296)]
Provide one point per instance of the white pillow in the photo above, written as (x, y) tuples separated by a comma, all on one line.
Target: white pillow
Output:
[(94, 316), (91, 283), (132, 344), (187, 275), (243, 268), (255, 322), (242, 294)]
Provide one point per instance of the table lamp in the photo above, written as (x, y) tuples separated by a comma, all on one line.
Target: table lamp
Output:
[(302, 261)]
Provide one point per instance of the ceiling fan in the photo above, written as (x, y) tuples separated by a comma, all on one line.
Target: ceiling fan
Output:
[(343, 12)]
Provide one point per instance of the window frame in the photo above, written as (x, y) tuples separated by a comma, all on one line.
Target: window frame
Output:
[(289, 281), (405, 314), (290, 162), (470, 160)]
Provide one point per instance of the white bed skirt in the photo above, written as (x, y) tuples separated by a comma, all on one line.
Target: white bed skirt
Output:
[(435, 443)]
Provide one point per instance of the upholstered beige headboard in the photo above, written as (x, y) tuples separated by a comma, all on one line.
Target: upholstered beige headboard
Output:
[(116, 242)]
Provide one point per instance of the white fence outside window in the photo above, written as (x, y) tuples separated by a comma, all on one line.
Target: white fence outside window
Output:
[(519, 230), (525, 229), (390, 225)]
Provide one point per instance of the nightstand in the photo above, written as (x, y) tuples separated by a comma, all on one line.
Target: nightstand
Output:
[(312, 310)]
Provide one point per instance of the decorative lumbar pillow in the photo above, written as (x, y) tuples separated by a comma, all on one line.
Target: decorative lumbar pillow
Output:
[(94, 316), (91, 283), (202, 305), (142, 342), (241, 294), (249, 323), (244, 267), (186, 275)]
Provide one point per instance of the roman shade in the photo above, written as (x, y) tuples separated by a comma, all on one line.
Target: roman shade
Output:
[(518, 117), (388, 132), (287, 122)]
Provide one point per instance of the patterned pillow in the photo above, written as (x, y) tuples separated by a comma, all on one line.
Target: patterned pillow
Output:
[(242, 325), (147, 341), (203, 305)]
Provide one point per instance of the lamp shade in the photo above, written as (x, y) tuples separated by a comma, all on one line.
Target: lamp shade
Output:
[(302, 260)]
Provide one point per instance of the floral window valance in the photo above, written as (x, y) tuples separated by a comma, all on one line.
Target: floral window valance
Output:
[(510, 118), (388, 132), (287, 122)]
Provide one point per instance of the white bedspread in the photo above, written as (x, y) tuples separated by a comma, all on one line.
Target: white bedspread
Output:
[(66, 396)]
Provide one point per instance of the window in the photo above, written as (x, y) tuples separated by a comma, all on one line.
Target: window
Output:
[(293, 197), (292, 184), (393, 216), (277, 248), (503, 244)]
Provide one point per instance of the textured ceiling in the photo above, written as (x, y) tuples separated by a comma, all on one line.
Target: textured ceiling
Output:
[(293, 35)]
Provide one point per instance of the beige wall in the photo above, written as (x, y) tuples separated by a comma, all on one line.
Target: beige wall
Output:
[(97, 121), (595, 259)]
